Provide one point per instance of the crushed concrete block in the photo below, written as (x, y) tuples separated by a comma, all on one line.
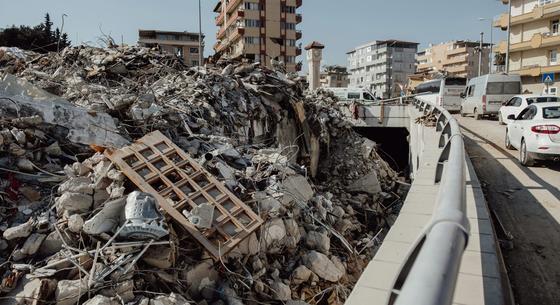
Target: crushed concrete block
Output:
[(268, 204), (367, 184), (172, 299), (319, 241), (296, 188), (106, 219), (75, 223), (300, 275), (30, 193), (32, 243), (25, 165), (321, 265), (35, 289), (161, 257), (80, 185), (272, 235), (202, 278), (281, 291), (22, 230), (68, 292), (74, 202), (121, 291), (102, 300), (249, 246)]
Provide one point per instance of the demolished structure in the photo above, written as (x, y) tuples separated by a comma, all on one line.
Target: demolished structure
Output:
[(129, 178)]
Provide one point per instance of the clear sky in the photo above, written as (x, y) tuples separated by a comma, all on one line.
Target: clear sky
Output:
[(339, 24)]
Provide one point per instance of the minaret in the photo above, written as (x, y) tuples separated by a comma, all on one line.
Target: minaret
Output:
[(314, 56)]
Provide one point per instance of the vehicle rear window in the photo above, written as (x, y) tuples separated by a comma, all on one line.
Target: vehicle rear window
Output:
[(455, 81), (503, 88), (353, 95), (542, 99), (551, 113)]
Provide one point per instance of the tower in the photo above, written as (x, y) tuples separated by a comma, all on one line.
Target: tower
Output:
[(314, 56)]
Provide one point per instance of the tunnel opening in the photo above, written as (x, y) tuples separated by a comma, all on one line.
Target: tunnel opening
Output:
[(393, 146)]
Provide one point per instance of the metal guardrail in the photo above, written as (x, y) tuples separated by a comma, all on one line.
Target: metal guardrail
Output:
[(429, 273)]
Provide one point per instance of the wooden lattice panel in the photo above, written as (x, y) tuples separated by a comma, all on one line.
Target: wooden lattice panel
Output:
[(157, 166)]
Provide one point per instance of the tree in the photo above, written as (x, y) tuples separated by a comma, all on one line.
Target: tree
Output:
[(40, 38)]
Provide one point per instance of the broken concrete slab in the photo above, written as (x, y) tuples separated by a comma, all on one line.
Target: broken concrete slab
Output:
[(319, 241), (321, 265), (367, 184), (22, 230), (106, 219), (296, 188)]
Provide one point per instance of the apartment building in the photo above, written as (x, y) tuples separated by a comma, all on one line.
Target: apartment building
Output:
[(182, 44), (334, 77), (260, 30), (382, 66), (534, 42), (454, 58)]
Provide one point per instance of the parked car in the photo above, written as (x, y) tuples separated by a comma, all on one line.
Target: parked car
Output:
[(485, 94), (520, 102), (444, 92), (535, 132)]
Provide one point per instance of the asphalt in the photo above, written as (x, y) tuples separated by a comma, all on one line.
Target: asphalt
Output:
[(526, 201)]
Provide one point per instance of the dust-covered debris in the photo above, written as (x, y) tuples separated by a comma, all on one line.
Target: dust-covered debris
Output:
[(76, 229)]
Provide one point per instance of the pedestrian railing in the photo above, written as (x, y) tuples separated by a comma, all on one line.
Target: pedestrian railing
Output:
[(430, 270)]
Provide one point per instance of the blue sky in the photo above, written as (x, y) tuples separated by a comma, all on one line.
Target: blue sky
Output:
[(339, 24)]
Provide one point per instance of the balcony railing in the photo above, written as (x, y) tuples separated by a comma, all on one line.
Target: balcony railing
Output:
[(299, 18), (298, 34)]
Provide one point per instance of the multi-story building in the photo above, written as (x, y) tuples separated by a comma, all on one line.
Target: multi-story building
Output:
[(534, 42), (382, 66), (182, 44), (334, 77), (454, 58), (259, 30)]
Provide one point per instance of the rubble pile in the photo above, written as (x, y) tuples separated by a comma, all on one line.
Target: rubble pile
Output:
[(78, 227)]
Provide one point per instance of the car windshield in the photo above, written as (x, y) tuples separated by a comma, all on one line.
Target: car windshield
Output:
[(503, 88), (455, 81), (551, 112), (542, 99)]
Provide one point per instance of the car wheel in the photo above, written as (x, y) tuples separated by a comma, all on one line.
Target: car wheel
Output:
[(462, 113), (500, 119), (524, 156), (477, 116), (508, 143)]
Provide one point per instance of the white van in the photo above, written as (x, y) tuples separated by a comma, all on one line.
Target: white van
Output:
[(485, 94), (444, 92), (352, 94)]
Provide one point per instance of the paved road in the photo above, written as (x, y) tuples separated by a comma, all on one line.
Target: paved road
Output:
[(527, 201)]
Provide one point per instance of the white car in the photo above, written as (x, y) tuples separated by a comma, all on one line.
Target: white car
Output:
[(535, 132), (520, 102)]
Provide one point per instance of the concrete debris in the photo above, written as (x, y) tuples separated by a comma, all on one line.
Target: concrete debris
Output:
[(248, 189)]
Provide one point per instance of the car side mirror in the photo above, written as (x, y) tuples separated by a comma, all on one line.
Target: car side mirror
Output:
[(511, 117), (462, 95), (504, 103)]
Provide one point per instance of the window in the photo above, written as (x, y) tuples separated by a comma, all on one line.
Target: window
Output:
[(252, 40), (252, 23), (543, 2), (553, 57), (291, 42), (554, 25), (290, 59), (193, 50), (368, 97), (542, 99), (528, 114), (471, 90), (252, 6), (353, 95), (195, 62), (503, 88), (369, 58), (289, 9), (550, 91), (551, 113), (289, 26), (368, 49)]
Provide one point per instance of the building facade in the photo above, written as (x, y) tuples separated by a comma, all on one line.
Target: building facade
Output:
[(260, 30), (182, 44), (454, 58), (382, 66), (334, 77), (534, 42)]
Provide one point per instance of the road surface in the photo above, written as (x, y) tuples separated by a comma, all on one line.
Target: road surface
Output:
[(527, 201)]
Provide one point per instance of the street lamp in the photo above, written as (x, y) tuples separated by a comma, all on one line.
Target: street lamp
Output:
[(61, 32), (491, 62)]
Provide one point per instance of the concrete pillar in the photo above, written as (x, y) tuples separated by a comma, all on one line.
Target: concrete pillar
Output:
[(314, 56)]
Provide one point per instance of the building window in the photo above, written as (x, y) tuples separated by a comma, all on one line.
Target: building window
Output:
[(291, 42), (288, 26), (554, 26), (290, 59), (553, 57), (369, 58), (543, 2), (252, 23), (195, 62), (193, 50), (368, 49), (252, 40), (289, 9), (252, 6)]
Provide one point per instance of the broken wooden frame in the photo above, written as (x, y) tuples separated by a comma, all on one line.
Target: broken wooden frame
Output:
[(157, 166)]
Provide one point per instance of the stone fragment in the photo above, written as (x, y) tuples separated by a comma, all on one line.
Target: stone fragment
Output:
[(296, 188), (32, 243), (367, 184), (74, 202), (80, 185), (75, 223), (172, 299), (202, 279), (22, 230), (319, 241), (106, 219), (281, 291), (25, 165), (300, 274), (273, 233), (102, 300), (321, 265), (30, 193), (68, 292), (161, 257)]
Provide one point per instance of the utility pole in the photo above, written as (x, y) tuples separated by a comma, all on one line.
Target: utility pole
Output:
[(508, 36), (491, 63), (200, 56), (480, 53), (61, 32)]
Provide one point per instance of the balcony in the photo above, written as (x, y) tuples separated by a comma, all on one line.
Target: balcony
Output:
[(220, 19), (456, 60), (221, 33), (299, 3), (424, 67), (536, 70), (500, 47), (299, 18), (457, 69), (457, 51), (233, 4), (298, 51), (538, 13), (501, 22), (537, 41), (298, 34)]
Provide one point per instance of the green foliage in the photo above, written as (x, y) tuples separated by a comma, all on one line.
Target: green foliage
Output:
[(40, 38)]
